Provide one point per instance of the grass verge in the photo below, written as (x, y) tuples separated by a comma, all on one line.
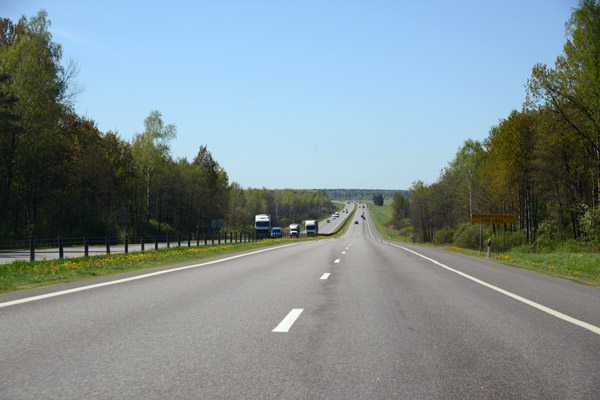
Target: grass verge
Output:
[(578, 267), (21, 275), (381, 216)]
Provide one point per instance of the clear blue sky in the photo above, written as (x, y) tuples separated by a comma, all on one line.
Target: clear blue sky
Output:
[(307, 94)]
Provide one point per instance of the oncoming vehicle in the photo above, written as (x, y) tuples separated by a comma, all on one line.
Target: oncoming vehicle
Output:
[(276, 233), (262, 226), (311, 227), (294, 230)]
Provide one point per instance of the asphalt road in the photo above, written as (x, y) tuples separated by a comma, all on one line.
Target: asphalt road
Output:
[(9, 256), (346, 318), (334, 224)]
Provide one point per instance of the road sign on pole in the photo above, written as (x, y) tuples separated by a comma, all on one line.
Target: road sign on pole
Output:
[(493, 218), (216, 223)]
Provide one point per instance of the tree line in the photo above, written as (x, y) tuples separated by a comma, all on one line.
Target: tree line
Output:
[(61, 176), (541, 163), (362, 194)]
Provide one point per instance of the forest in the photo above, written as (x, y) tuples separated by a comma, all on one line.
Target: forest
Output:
[(541, 163), (61, 176), (362, 194)]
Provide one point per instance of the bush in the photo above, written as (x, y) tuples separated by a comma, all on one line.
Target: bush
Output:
[(578, 246), (590, 223), (467, 236), (512, 240), (443, 236)]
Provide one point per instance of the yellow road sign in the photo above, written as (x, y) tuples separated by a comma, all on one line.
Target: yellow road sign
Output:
[(493, 218)]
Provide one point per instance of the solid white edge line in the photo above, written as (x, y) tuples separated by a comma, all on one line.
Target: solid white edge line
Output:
[(134, 278), (533, 304), (285, 325), (337, 261), (370, 233), (325, 276)]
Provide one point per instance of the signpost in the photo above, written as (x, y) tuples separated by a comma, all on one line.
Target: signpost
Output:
[(493, 219), (216, 223)]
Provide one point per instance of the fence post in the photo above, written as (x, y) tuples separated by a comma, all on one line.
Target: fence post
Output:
[(107, 244), (155, 242), (230, 237), (142, 242), (205, 243), (212, 236), (219, 237), (61, 251), (197, 239), (31, 249), (168, 241), (189, 239), (178, 240), (126, 244), (86, 246)]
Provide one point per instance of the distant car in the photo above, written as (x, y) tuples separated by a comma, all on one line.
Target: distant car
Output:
[(355, 222), (276, 232)]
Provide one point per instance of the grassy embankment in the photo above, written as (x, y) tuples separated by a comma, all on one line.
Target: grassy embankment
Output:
[(21, 275), (579, 267)]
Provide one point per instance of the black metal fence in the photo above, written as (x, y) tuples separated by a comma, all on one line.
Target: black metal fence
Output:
[(87, 245)]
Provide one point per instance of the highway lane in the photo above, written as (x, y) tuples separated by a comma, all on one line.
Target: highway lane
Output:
[(386, 323), (334, 224), (78, 251)]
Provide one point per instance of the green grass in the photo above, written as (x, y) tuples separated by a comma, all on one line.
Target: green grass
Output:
[(339, 206), (382, 215), (579, 267), (21, 275)]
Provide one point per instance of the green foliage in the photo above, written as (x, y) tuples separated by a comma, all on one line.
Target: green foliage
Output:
[(362, 194), (590, 224), (382, 217), (285, 206), (466, 236), (541, 163), (378, 200), (443, 236)]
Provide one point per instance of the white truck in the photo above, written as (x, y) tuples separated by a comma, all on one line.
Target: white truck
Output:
[(294, 230), (311, 227), (262, 226)]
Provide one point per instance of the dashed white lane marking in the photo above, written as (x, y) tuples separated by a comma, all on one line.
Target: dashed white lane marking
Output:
[(343, 252), (288, 321), (533, 304), (348, 248), (325, 276), (337, 261)]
